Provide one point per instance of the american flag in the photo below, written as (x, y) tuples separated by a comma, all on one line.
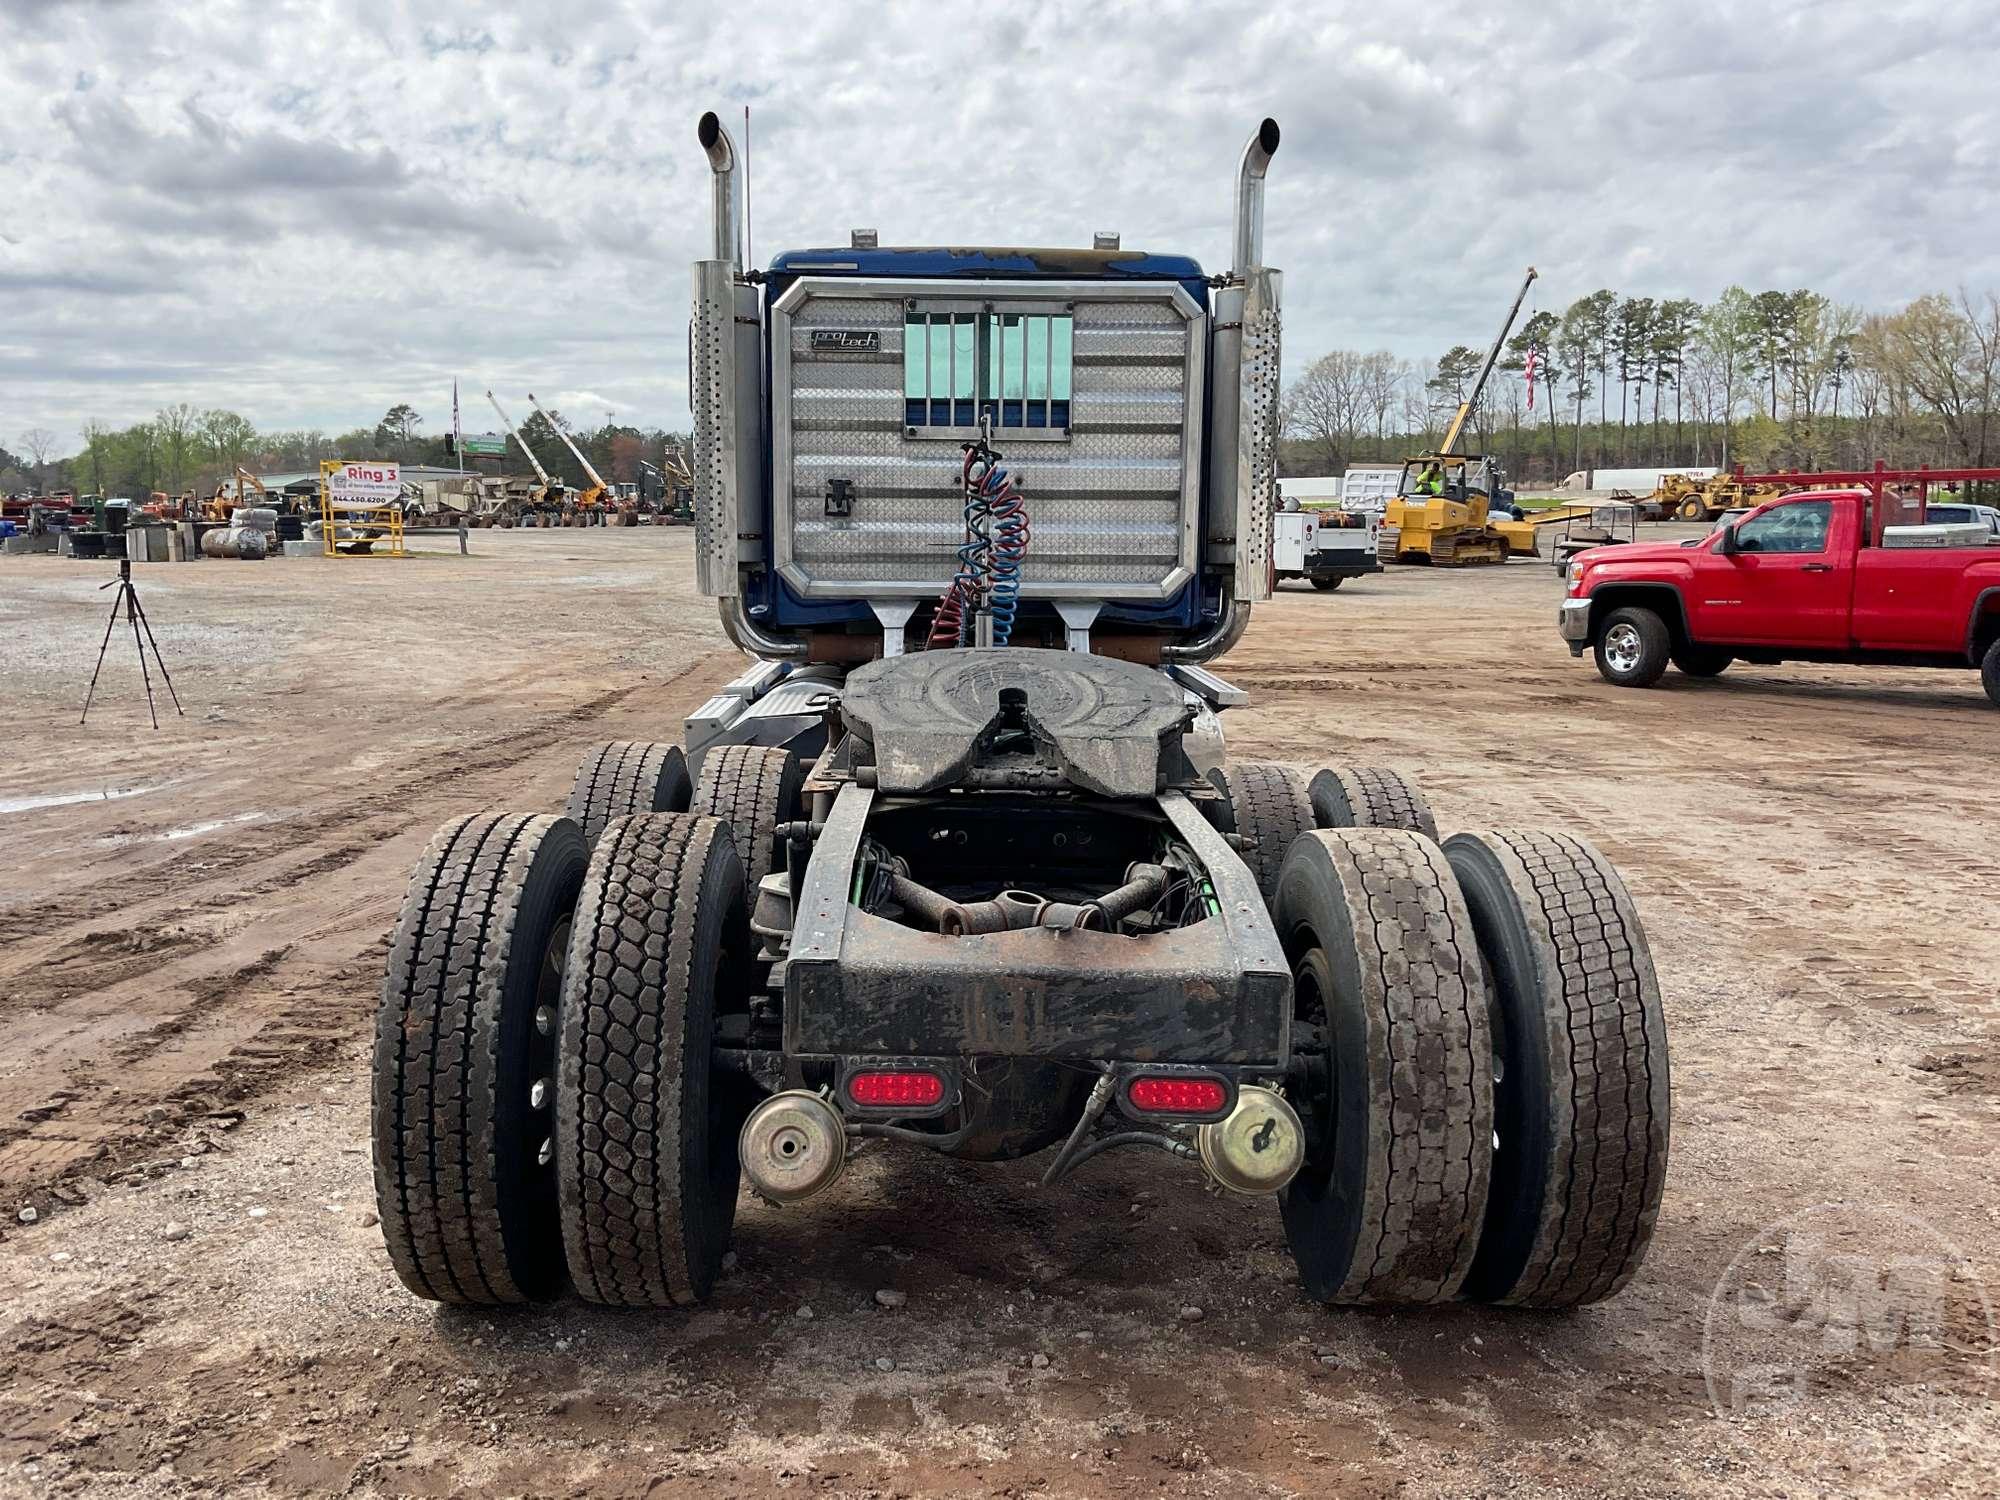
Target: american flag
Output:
[(1528, 374)]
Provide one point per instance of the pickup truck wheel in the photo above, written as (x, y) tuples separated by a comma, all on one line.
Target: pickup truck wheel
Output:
[(1632, 647), (1369, 797), (624, 777), (754, 788), (464, 1049), (1581, 1104), (645, 1126), (1989, 672), (1392, 1022), (1701, 661), (1269, 806)]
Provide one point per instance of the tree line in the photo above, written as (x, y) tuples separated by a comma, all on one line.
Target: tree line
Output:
[(183, 448), (1769, 379)]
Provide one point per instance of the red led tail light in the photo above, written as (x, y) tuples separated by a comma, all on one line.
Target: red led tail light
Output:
[(1177, 1096), (886, 1090)]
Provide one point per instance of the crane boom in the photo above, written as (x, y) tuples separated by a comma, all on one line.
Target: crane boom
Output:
[(508, 423), (1486, 370), (595, 477)]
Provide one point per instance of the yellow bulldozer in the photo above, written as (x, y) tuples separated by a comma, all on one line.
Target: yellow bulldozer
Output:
[(1448, 506), (1450, 510)]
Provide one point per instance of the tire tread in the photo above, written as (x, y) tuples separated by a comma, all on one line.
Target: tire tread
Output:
[(623, 1123), (624, 777), (1271, 807), (1370, 797), (753, 788), (1609, 1104), (1427, 1055), (436, 1110)]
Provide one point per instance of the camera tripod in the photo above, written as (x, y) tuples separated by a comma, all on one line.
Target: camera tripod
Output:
[(127, 597)]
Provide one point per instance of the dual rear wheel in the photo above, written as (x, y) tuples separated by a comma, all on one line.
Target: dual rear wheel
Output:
[(1483, 1053), (546, 1108), (1482, 1056)]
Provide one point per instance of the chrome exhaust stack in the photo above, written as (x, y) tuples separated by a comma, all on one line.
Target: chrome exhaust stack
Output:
[(1248, 242), (726, 392), (1243, 425), (727, 210)]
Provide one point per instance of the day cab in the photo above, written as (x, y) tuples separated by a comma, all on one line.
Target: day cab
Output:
[(1818, 576)]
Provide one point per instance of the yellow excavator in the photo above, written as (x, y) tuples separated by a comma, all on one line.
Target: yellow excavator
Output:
[(1443, 513), (222, 504)]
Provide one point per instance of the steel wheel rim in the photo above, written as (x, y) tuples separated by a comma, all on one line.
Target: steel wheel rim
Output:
[(1621, 647), (542, 1044), (1312, 991)]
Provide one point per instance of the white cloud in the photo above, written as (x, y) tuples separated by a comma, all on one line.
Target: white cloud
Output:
[(309, 213)]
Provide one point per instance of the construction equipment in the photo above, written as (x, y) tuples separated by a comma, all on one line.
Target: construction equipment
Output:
[(676, 482), (222, 504), (547, 490), (1689, 499), (592, 500), (957, 865), (1442, 513)]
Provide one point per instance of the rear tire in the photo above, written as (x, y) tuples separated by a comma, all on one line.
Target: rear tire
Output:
[(1269, 806), (464, 1034), (625, 777), (1369, 797), (1989, 672), (1701, 661), (1583, 1100), (1392, 1008), (1632, 647), (1327, 585), (754, 788), (646, 1127)]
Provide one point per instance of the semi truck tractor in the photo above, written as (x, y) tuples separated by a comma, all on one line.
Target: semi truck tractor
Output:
[(959, 864)]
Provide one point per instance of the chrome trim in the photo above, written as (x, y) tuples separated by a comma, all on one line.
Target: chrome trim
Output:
[(754, 639), (1574, 619), (1248, 241), (719, 461), (1622, 647), (1229, 627), (726, 211), (1206, 685)]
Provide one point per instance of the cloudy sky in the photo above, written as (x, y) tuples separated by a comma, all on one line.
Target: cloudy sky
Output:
[(307, 212)]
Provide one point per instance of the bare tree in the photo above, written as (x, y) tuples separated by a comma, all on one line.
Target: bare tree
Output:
[(1325, 404), (1382, 378), (40, 443), (175, 429)]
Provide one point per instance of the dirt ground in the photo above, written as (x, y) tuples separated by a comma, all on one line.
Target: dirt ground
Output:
[(192, 923)]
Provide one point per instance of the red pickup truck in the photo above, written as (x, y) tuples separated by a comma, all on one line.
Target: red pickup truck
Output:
[(1824, 576)]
